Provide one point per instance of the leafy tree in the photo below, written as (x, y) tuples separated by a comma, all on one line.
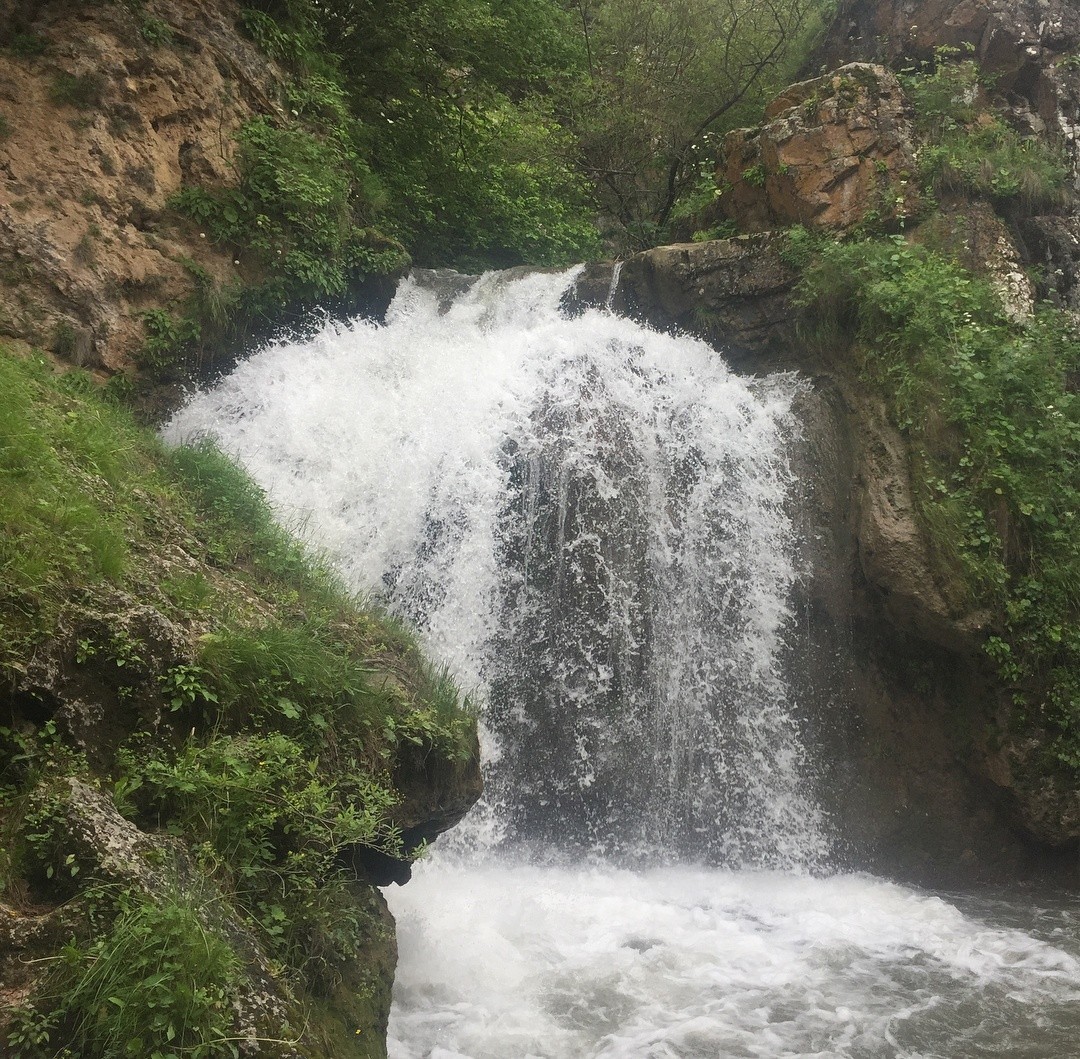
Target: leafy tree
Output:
[(451, 103), (662, 76)]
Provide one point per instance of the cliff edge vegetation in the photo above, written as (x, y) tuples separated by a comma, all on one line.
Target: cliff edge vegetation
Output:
[(204, 747)]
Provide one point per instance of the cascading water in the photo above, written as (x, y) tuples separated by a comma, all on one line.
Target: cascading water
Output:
[(589, 521)]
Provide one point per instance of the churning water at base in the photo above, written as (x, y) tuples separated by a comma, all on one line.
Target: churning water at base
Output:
[(588, 521), (512, 962)]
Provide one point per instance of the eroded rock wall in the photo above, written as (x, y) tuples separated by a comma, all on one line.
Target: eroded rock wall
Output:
[(103, 120), (904, 710)]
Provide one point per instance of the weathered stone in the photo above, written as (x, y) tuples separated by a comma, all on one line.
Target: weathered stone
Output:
[(84, 246), (1053, 246), (834, 152), (1027, 47), (437, 790), (734, 288), (977, 238), (1006, 35)]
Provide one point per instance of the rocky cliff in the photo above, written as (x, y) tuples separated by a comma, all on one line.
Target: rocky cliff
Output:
[(108, 110)]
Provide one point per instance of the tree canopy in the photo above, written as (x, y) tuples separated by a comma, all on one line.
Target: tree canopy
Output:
[(496, 131)]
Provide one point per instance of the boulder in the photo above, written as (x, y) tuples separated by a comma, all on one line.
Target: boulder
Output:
[(834, 152)]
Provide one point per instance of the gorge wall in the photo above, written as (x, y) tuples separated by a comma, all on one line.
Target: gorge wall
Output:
[(933, 775), (108, 112), (905, 709)]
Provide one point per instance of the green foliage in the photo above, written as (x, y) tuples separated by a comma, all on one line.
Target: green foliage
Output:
[(504, 194), (755, 175), (268, 824), (443, 109), (28, 45), (67, 508), (993, 418), (82, 91), (29, 763), (291, 207), (158, 982), (967, 149), (661, 76), (484, 132), (156, 32)]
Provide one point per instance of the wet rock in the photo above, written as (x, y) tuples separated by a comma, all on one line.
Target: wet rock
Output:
[(733, 290)]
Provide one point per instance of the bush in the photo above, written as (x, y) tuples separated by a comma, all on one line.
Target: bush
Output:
[(82, 91), (295, 206), (967, 149)]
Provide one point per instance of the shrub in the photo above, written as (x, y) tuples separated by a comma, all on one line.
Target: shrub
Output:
[(159, 982), (987, 157), (294, 207), (82, 91)]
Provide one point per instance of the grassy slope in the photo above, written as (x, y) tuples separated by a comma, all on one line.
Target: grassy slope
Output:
[(163, 638)]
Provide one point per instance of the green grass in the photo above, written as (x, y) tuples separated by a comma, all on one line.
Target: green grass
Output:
[(265, 738), (158, 982), (68, 470), (967, 148), (87, 498)]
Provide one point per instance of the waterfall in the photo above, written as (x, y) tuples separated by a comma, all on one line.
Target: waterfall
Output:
[(613, 287), (590, 522), (588, 519)]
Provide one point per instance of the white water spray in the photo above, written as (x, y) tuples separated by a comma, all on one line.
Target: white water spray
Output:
[(585, 516)]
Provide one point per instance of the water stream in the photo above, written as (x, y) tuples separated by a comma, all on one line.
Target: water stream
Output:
[(589, 522)]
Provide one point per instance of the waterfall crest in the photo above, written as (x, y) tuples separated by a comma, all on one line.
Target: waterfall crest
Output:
[(587, 519)]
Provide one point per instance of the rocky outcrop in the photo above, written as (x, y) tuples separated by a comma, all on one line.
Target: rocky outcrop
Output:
[(96, 137), (1007, 36), (97, 682), (1028, 48), (269, 1017), (735, 288), (834, 152)]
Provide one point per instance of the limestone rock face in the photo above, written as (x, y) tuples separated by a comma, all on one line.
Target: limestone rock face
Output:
[(86, 241), (833, 152)]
